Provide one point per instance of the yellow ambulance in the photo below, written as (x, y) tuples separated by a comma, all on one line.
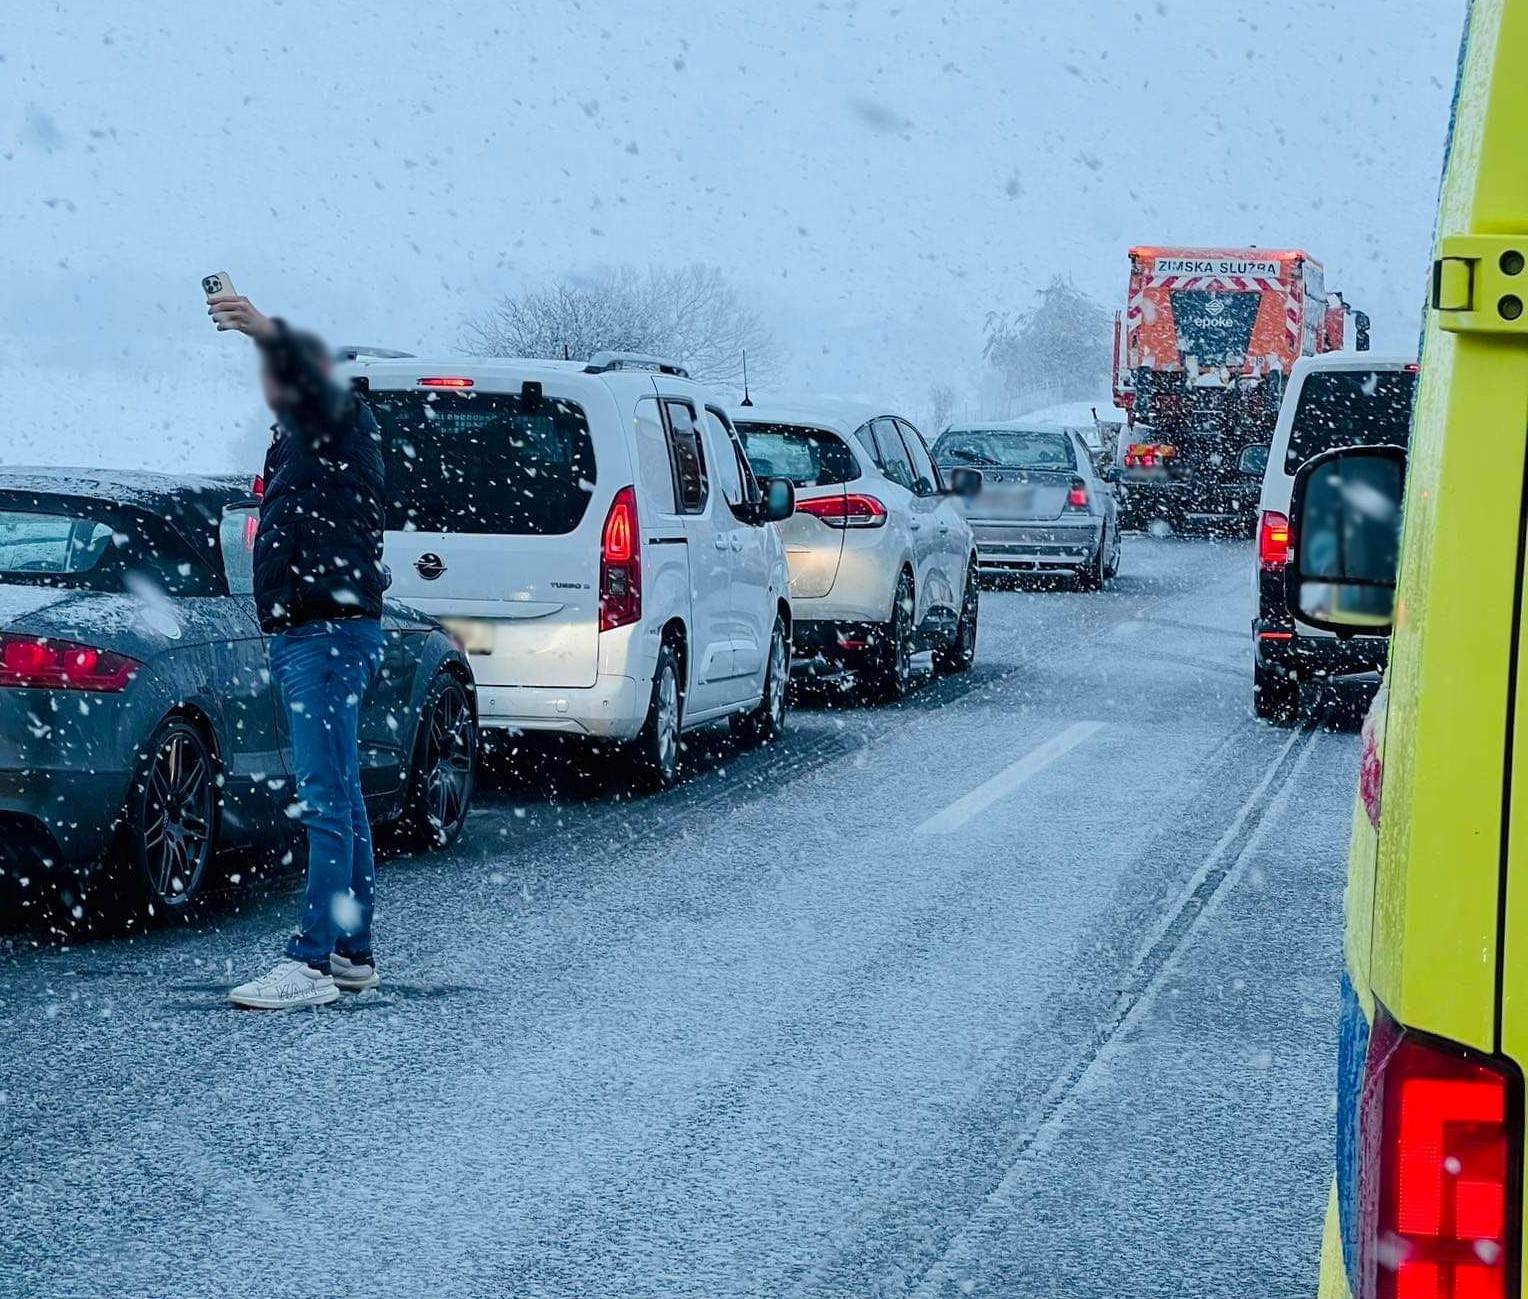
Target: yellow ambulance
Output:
[(1428, 1194)]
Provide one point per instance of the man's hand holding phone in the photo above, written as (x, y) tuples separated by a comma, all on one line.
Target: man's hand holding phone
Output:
[(230, 310)]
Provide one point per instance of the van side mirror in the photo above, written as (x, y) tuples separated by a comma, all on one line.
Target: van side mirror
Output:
[(1345, 515), (1253, 461), (965, 482), (779, 501)]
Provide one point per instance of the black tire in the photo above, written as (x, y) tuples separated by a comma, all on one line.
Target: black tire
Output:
[(1093, 577), (168, 833), (888, 673), (766, 723), (653, 756), (1275, 695), (1111, 565), (960, 653), (443, 771)]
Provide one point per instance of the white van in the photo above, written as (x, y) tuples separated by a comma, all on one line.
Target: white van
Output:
[(595, 538), (1339, 399)]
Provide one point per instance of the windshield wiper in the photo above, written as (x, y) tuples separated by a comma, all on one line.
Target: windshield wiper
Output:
[(975, 457)]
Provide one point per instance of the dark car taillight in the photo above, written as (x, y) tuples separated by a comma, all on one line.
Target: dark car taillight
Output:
[(851, 510), (1441, 1183), (40, 663), (1273, 540), (621, 564)]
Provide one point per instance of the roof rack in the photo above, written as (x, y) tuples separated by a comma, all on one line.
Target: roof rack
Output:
[(604, 362), (355, 352)]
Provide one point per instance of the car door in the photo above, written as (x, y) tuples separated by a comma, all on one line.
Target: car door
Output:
[(895, 463), (751, 613), (709, 542), (948, 551)]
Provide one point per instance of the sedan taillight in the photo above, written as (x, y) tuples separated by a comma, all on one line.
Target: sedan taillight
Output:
[(851, 510), (40, 663), (1077, 498)]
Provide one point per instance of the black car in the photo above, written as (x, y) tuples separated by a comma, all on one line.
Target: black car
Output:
[(139, 726)]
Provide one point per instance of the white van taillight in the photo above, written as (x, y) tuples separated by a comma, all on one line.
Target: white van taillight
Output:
[(1441, 1131), (1273, 540), (621, 564)]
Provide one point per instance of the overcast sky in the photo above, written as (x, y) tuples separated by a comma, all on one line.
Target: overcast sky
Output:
[(876, 177)]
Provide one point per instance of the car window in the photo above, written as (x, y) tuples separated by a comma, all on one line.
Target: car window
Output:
[(893, 455), (809, 457), (236, 541), (119, 550), (925, 476), (484, 462), (51, 543), (654, 467), (1346, 408), (688, 456), (1006, 449)]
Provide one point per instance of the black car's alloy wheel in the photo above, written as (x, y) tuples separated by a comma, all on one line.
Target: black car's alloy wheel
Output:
[(445, 766), (170, 816)]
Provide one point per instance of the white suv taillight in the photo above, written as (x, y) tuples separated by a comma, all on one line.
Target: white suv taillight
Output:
[(1441, 1130), (621, 564)]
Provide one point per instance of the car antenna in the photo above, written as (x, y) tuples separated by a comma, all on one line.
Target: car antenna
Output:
[(747, 400)]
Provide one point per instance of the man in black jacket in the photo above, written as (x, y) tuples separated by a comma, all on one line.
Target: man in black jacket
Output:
[(319, 581)]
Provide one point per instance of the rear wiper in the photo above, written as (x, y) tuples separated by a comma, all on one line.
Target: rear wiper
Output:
[(974, 457)]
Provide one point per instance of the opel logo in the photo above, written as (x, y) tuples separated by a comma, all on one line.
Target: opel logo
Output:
[(429, 566)]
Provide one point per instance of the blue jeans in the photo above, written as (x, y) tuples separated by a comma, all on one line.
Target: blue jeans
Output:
[(324, 670)]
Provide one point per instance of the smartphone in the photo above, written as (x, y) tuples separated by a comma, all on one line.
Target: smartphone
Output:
[(218, 285)]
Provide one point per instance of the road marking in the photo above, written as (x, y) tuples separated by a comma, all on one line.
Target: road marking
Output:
[(971, 805)]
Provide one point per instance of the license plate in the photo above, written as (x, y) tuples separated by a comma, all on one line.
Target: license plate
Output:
[(1024, 499), (476, 635)]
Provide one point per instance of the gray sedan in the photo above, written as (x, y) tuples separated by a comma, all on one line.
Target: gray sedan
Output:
[(1042, 505), (139, 729)]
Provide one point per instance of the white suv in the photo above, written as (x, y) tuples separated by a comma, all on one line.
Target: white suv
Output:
[(881, 557), (595, 538)]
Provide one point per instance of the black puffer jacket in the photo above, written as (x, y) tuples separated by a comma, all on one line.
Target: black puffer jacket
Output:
[(318, 552)]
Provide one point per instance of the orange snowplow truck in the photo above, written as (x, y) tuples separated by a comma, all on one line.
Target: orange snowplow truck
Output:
[(1201, 356)]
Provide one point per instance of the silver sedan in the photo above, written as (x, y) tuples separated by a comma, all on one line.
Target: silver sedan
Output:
[(1042, 505)]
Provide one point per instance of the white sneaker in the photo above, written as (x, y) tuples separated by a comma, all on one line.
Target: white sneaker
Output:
[(353, 976), (290, 985)]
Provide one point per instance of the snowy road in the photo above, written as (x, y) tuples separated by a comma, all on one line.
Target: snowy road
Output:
[(1026, 986)]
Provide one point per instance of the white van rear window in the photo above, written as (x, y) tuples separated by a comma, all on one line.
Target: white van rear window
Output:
[(1350, 408), (484, 462)]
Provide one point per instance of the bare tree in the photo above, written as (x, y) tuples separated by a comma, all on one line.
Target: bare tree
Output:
[(692, 316), (941, 407), (1057, 352)]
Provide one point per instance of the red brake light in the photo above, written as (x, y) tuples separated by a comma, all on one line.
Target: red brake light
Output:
[(1273, 541), (37, 663), (1441, 1131), (257, 488), (621, 563), (446, 381), (1077, 498), (849, 510)]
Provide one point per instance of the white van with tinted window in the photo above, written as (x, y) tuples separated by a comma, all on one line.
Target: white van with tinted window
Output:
[(594, 536)]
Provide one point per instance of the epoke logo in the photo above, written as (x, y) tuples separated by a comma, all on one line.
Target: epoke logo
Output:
[(1215, 306)]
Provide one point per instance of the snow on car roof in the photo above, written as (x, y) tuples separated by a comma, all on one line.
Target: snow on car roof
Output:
[(189, 503), (833, 414)]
